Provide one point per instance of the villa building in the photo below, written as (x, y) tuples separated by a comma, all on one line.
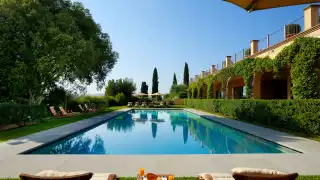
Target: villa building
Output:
[(266, 85)]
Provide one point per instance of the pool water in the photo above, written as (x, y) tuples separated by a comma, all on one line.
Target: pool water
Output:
[(161, 132)]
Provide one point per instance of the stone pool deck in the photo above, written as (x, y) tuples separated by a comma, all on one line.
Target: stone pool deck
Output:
[(12, 163)]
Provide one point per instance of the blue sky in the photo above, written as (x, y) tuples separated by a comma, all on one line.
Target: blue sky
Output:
[(167, 33)]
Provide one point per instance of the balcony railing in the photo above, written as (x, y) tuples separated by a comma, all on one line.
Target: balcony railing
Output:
[(291, 29)]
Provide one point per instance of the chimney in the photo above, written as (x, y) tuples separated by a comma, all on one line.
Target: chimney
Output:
[(202, 74), (254, 47), (228, 61), (311, 16), (213, 69)]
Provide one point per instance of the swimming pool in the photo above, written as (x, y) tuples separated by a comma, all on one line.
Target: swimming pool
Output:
[(161, 132)]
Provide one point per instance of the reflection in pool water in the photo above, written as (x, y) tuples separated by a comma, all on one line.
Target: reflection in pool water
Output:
[(161, 132)]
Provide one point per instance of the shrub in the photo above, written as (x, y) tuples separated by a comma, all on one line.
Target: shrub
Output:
[(182, 94), (112, 101), (21, 115), (296, 115), (121, 99), (96, 101), (178, 102), (166, 96)]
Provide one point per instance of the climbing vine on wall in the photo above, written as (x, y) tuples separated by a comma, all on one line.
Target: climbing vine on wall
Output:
[(209, 88), (303, 57), (192, 88), (199, 87)]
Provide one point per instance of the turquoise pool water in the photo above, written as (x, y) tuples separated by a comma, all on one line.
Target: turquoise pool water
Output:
[(161, 132)]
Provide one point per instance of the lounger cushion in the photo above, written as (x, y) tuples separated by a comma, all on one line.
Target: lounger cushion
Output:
[(51, 175), (244, 170), (96, 176), (215, 176)]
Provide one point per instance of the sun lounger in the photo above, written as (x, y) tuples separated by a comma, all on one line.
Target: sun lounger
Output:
[(249, 174), (144, 104), (54, 113), (64, 112), (129, 104), (82, 109), (55, 175), (136, 104), (292, 176), (89, 109), (151, 104), (151, 176)]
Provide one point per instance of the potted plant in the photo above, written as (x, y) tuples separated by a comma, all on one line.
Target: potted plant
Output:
[(292, 29)]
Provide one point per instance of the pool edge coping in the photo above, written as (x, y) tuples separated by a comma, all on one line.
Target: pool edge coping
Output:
[(192, 111), (107, 116)]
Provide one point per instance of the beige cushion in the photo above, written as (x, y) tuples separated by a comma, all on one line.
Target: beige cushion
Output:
[(52, 173), (244, 170), (215, 176), (101, 176)]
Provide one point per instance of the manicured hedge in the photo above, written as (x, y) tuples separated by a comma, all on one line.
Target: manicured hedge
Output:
[(297, 115), (179, 102), (21, 115)]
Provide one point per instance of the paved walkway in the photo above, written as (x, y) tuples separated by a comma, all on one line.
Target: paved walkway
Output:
[(12, 164)]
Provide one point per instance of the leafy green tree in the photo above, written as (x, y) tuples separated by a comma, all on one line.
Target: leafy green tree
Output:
[(186, 74), (174, 79), (57, 96), (166, 96), (110, 88), (121, 99), (144, 87), (155, 81), (125, 86), (45, 42), (179, 91)]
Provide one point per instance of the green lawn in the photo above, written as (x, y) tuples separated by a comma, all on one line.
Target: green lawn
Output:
[(309, 136), (194, 178), (49, 123)]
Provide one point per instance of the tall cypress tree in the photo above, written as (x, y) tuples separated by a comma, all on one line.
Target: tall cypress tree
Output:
[(186, 75), (144, 88), (155, 81), (174, 79)]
